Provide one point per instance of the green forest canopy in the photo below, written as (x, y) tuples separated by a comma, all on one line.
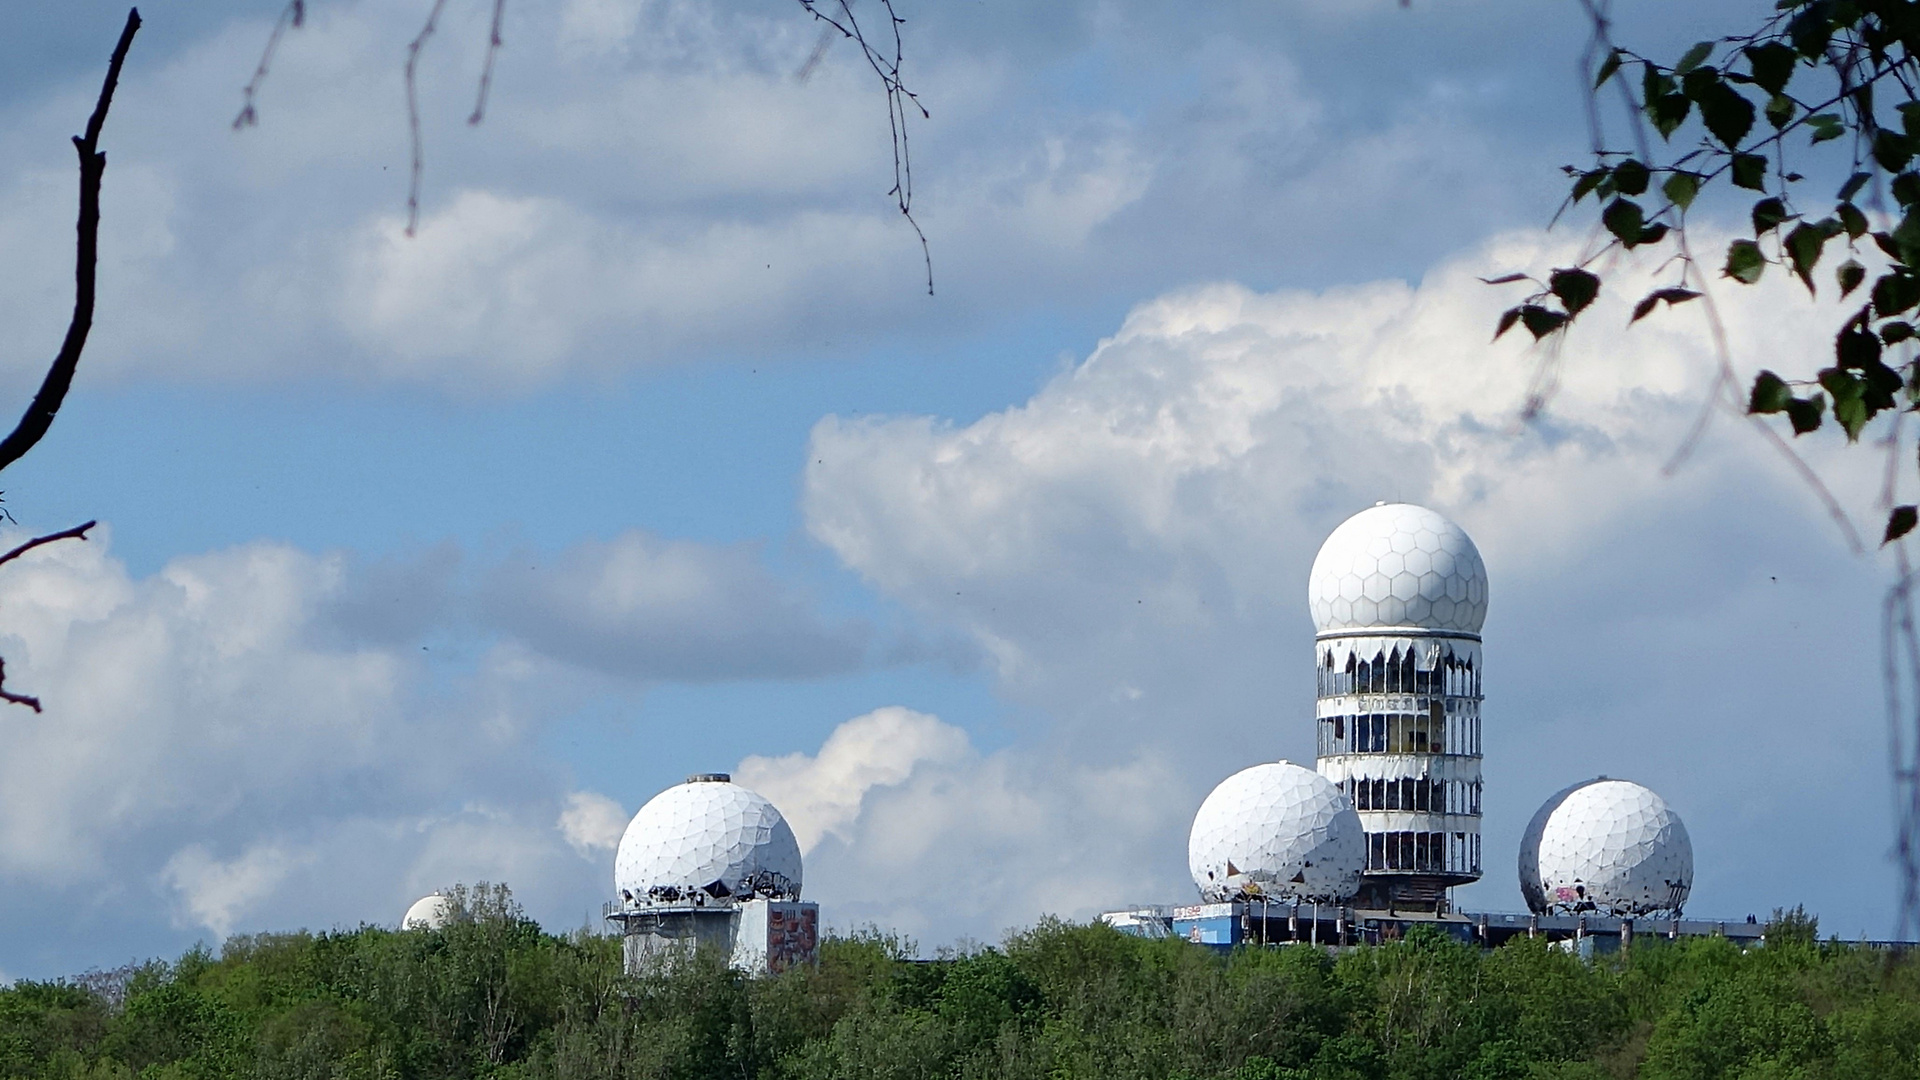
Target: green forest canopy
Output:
[(497, 997)]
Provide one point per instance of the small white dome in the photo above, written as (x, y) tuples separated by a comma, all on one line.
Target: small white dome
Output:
[(1398, 565), (708, 836), (1280, 832), (429, 913), (1606, 845)]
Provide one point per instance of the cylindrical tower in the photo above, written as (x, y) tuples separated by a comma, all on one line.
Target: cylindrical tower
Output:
[(1399, 595)]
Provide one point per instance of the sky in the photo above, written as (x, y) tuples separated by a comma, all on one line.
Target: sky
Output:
[(430, 559)]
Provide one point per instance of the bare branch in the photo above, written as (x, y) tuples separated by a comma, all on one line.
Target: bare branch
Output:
[(899, 99), (93, 164), (294, 15), (413, 112), (486, 70), (78, 532)]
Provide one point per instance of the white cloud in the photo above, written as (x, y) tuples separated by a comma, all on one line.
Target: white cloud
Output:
[(592, 823), (907, 826), (216, 892), (820, 795), (642, 606), (1130, 547)]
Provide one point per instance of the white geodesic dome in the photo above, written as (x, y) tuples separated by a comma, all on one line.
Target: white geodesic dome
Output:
[(1398, 565), (1280, 832), (1606, 845), (708, 839), (428, 913)]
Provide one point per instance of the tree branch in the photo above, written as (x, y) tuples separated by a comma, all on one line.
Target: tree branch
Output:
[(78, 532), (53, 389)]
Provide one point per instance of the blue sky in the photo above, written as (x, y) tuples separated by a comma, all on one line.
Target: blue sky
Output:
[(429, 560)]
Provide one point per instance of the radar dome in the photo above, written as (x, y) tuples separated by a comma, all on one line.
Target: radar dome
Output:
[(1397, 565), (429, 913), (706, 839), (1606, 845), (1277, 831)]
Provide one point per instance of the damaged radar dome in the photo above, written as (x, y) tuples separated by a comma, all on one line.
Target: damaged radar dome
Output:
[(1277, 832), (1606, 845), (707, 839)]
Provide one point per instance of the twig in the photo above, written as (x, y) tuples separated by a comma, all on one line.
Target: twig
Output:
[(295, 15), (78, 532), (899, 98), (16, 699), (93, 164), (486, 69), (413, 113)]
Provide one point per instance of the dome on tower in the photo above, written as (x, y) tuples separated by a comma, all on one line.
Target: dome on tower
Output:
[(429, 913), (707, 838), (1396, 565), (1277, 831), (1606, 845)]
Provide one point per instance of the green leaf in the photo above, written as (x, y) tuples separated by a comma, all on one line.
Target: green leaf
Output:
[(1853, 185), (1770, 394), (1810, 30), (1750, 172), (1894, 293), (1652, 234), (1851, 219), (1670, 296), (1858, 350), (1805, 413), (1744, 262), (1624, 219), (1895, 332), (1607, 67), (1630, 177), (1771, 66), (1576, 289), (1694, 58), (1507, 319), (1826, 126), (1588, 181), (1541, 321), (1892, 151), (1726, 112), (1906, 188), (1910, 118), (1850, 274), (1680, 188), (1767, 213), (1849, 405), (1900, 522), (1668, 112), (1780, 110), (1804, 245)]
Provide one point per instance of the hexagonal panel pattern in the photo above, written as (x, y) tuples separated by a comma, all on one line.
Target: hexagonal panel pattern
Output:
[(1277, 832), (706, 835), (1398, 565), (428, 913), (1611, 844)]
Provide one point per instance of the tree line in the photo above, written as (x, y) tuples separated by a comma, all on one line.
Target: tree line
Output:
[(495, 996)]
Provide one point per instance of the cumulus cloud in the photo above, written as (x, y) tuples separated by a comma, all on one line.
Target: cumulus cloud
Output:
[(908, 826), (820, 795), (592, 823), (644, 607), (254, 738), (1130, 549), (653, 185)]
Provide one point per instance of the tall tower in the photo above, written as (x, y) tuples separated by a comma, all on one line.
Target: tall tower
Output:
[(1398, 596)]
